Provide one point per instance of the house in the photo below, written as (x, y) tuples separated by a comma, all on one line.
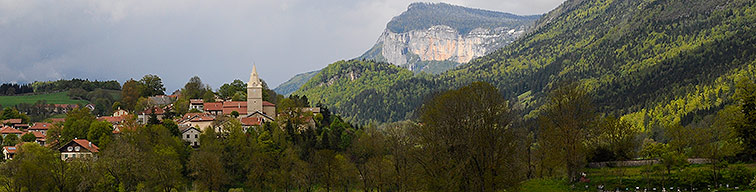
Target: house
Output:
[(10, 122), (196, 104), (191, 136), (9, 152), (120, 112), (78, 148), (215, 108), (238, 106), (198, 120), (161, 100), (112, 120), (40, 138), (21, 126), (40, 127), (90, 106), (64, 108), (144, 116), (5, 131)]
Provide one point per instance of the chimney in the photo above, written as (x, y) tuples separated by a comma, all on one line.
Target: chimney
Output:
[(90, 144)]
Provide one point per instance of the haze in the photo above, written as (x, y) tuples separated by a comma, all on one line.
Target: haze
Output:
[(217, 41)]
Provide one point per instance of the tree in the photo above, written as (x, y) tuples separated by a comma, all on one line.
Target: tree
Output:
[(100, 133), (172, 127), (151, 85), (28, 137), (467, 140), (10, 140), (194, 89), (566, 125), (12, 113), (229, 90), (618, 137), (77, 124), (130, 94), (745, 95), (208, 96)]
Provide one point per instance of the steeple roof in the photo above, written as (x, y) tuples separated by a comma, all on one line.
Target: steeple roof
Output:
[(254, 79)]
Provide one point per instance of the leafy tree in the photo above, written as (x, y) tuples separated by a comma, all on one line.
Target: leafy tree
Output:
[(566, 125), (28, 137), (619, 137), (172, 127), (468, 140), (100, 132), (229, 90), (10, 140), (151, 85), (745, 95), (77, 124), (12, 113), (130, 94), (77, 93), (194, 89)]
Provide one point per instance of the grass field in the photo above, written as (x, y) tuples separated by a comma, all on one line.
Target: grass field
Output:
[(51, 98), (646, 177)]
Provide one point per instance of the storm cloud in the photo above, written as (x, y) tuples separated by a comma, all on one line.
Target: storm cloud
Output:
[(215, 40)]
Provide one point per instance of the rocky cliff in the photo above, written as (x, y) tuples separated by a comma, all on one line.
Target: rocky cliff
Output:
[(436, 37)]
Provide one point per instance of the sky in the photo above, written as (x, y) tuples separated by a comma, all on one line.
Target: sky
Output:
[(218, 41)]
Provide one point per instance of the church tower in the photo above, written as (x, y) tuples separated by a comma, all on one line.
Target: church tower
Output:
[(254, 92)]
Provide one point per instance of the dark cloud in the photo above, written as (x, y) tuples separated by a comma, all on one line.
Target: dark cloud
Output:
[(177, 39)]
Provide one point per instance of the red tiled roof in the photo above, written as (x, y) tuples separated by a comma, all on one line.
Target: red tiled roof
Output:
[(265, 103), (214, 106), (196, 101), (251, 121), (88, 145), (10, 149), (238, 106), (11, 121), (112, 120), (41, 126), (189, 115), (10, 130), (70, 106), (202, 118), (21, 125), (158, 111), (38, 134)]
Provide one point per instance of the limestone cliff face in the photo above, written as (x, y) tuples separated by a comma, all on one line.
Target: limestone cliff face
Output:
[(442, 43), (440, 36)]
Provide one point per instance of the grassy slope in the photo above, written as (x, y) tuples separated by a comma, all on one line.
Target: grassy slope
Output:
[(293, 84), (51, 98)]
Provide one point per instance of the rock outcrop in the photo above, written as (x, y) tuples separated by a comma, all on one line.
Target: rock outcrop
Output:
[(417, 46)]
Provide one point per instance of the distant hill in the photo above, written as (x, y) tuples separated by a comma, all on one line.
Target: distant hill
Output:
[(435, 37), (651, 62), (288, 87), (51, 98)]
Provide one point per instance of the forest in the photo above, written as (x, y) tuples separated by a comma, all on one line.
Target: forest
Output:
[(467, 139)]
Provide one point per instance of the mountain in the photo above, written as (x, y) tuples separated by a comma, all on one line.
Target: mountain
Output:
[(435, 37), (291, 85), (652, 62)]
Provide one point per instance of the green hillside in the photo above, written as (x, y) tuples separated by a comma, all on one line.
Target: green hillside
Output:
[(288, 87), (650, 61), (51, 98), (421, 16)]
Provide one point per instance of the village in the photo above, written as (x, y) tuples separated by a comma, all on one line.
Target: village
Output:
[(250, 113)]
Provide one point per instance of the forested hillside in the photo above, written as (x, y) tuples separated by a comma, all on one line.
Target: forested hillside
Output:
[(652, 61), (421, 16), (294, 83)]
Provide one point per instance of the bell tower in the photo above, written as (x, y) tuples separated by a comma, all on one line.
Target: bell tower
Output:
[(254, 92)]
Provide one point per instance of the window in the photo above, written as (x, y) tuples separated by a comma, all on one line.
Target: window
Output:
[(195, 135), (187, 136), (70, 148), (66, 156), (77, 148)]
